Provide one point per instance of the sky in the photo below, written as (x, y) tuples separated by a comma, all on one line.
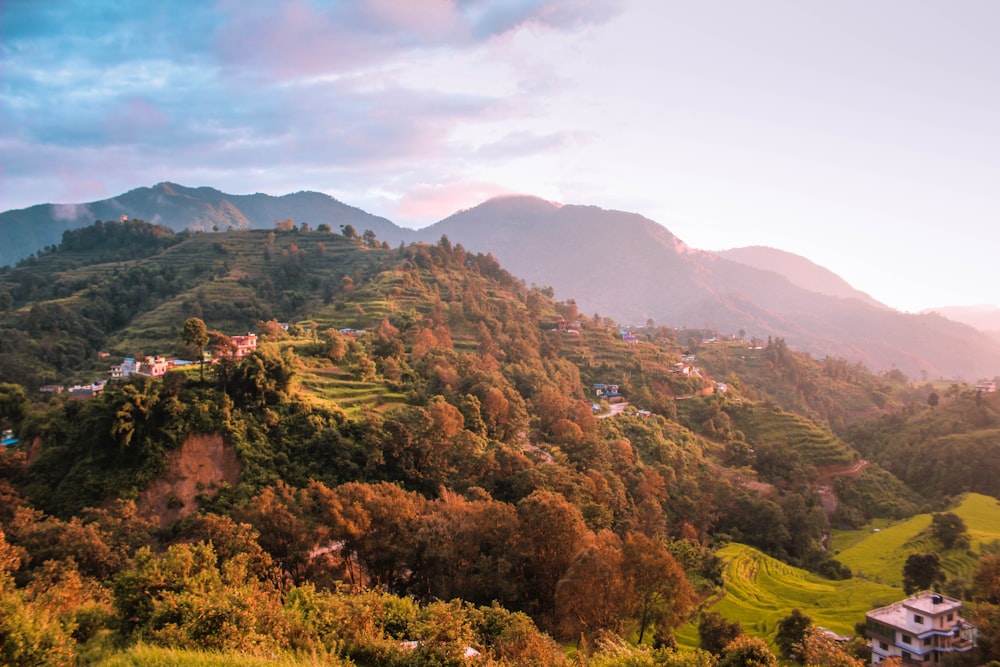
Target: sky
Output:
[(862, 135)]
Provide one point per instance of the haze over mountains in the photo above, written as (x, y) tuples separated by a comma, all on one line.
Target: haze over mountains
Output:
[(613, 263)]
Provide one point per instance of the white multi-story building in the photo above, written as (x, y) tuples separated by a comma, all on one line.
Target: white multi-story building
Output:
[(920, 629)]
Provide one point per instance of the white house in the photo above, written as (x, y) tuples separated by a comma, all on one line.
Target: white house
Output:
[(920, 629), (123, 370)]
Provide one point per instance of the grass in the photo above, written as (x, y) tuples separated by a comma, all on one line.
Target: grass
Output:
[(151, 656), (818, 446), (880, 556), (761, 590)]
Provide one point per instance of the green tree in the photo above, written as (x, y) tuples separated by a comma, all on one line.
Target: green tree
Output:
[(348, 231), (196, 333), (715, 632), (921, 572), (950, 530), (790, 633), (13, 405)]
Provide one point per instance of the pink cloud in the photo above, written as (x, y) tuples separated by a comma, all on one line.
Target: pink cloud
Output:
[(134, 120), (429, 202), (78, 185), (430, 19)]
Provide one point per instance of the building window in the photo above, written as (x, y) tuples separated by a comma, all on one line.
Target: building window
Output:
[(907, 639), (883, 646), (951, 617), (918, 619), (906, 655), (927, 641)]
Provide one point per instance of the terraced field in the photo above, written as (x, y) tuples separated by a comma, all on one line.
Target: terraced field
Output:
[(333, 384), (817, 446), (761, 590), (880, 555)]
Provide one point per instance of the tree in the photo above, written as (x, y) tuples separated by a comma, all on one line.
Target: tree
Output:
[(933, 399), (791, 631), (747, 651), (987, 586), (715, 633), (921, 572), (950, 530), (196, 333), (593, 596), (552, 532), (658, 589), (14, 405), (819, 649), (348, 231)]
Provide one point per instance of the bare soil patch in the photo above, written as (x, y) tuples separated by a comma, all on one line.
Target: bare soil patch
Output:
[(199, 466)]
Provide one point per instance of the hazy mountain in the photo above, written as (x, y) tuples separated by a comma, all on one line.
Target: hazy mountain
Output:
[(630, 268), (617, 264), (799, 270), (26, 231), (985, 318)]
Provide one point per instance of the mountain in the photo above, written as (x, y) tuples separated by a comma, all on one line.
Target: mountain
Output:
[(985, 318), (614, 263), (28, 230), (800, 271), (632, 269)]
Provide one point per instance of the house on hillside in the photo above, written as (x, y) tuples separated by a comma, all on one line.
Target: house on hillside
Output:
[(920, 629), (244, 345), (987, 386), (124, 369), (154, 366), (86, 390)]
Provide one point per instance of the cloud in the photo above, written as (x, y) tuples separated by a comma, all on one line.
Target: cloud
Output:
[(427, 203), (70, 212)]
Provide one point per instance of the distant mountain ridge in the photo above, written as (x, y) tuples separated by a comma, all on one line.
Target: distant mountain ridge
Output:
[(632, 269), (613, 263), (28, 230), (800, 271)]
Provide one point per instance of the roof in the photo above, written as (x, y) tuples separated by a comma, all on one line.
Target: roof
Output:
[(931, 604)]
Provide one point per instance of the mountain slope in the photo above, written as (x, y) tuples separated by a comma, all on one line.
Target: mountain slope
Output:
[(632, 269), (26, 231), (799, 270)]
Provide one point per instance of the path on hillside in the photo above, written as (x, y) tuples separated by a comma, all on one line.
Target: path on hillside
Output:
[(824, 482), (616, 409)]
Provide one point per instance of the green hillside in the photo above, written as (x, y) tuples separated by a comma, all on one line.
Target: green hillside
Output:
[(414, 421), (944, 450), (880, 555), (760, 591)]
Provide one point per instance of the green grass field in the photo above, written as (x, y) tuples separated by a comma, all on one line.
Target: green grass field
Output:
[(880, 555), (761, 590)]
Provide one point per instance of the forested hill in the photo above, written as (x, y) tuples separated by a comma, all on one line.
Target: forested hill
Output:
[(425, 428), (26, 231)]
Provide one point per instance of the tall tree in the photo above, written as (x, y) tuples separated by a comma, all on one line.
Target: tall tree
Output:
[(921, 572), (658, 589), (196, 333), (593, 596)]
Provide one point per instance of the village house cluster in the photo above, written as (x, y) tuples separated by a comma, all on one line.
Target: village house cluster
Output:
[(153, 366), (157, 366)]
